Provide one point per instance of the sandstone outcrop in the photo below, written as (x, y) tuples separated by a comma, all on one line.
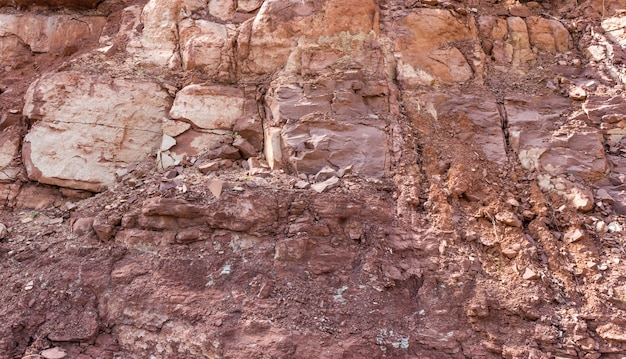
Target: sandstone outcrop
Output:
[(308, 179), (90, 127)]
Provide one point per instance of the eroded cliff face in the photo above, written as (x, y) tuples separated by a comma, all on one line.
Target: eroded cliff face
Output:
[(312, 179)]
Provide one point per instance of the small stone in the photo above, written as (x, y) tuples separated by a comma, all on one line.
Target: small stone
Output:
[(530, 274), (470, 236), (577, 93), (574, 235), (344, 171), (511, 251), (302, 184), (246, 149), (325, 173), (326, 185), (215, 186), (167, 142), (509, 219), (209, 166), (29, 286), (3, 231), (601, 227), (513, 202), (54, 353), (614, 227)]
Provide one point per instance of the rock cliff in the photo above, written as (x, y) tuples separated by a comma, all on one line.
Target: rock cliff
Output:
[(312, 179)]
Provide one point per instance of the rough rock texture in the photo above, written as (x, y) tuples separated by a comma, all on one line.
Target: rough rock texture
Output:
[(312, 179)]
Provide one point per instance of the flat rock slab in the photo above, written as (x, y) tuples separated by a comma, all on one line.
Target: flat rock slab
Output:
[(90, 128)]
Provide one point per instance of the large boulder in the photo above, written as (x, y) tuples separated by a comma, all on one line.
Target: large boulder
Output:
[(88, 128)]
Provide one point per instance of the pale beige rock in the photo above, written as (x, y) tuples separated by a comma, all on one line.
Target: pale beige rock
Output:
[(85, 136), (574, 235), (206, 46), (326, 185), (530, 274), (54, 353), (154, 35), (209, 107), (519, 41), (174, 128)]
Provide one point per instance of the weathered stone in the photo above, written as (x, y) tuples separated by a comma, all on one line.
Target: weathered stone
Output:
[(314, 143), (248, 5), (154, 35), (205, 46), (209, 107), (84, 137), (209, 166), (548, 35), (612, 331), (54, 353), (266, 42), (21, 34), (530, 274), (326, 185), (246, 149), (171, 207), (542, 142), (484, 125), (577, 93), (251, 129), (573, 235), (509, 219), (325, 173), (3, 231), (429, 40), (82, 226), (215, 186)]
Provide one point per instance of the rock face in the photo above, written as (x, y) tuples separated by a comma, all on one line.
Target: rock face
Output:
[(90, 127), (312, 179)]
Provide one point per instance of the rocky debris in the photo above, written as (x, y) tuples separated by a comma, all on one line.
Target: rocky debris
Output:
[(325, 185), (3, 231)]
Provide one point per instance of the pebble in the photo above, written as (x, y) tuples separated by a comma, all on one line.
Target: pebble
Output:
[(530, 274), (29, 286), (577, 93), (509, 219), (215, 186), (326, 185), (614, 227), (574, 235), (3, 231), (54, 353)]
